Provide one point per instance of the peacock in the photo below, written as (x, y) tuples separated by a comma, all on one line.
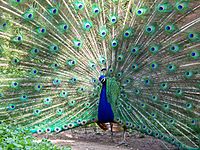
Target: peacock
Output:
[(69, 63)]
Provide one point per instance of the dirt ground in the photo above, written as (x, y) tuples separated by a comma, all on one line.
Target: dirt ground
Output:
[(88, 139)]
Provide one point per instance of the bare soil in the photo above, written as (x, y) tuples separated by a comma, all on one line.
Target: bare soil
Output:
[(89, 139)]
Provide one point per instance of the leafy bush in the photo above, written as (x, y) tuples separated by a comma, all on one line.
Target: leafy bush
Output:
[(16, 138)]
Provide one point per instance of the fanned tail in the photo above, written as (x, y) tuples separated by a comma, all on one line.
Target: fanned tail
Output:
[(53, 52)]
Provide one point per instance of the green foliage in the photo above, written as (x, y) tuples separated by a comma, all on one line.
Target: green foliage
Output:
[(14, 138)]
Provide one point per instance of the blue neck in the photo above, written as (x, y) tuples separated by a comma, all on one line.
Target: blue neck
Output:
[(105, 113)]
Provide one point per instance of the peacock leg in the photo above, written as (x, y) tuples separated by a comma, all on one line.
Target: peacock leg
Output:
[(123, 142), (111, 129)]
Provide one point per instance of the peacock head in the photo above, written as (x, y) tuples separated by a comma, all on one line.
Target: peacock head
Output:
[(102, 79)]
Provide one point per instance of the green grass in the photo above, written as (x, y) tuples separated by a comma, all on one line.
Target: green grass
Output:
[(15, 138)]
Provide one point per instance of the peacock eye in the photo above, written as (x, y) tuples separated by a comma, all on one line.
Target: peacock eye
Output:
[(19, 38), (193, 121), (126, 34), (78, 44), (42, 30), (65, 27), (139, 12), (103, 33), (191, 35), (173, 47), (4, 24), (161, 8), (87, 25), (113, 20), (193, 54), (180, 7), (30, 16), (15, 60), (152, 49), (114, 44), (80, 6), (54, 11), (149, 131), (55, 47), (168, 28), (149, 29), (96, 10)]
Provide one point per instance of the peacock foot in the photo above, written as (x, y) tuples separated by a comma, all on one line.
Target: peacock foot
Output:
[(124, 142)]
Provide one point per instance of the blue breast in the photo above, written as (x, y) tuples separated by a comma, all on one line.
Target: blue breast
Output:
[(105, 113)]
